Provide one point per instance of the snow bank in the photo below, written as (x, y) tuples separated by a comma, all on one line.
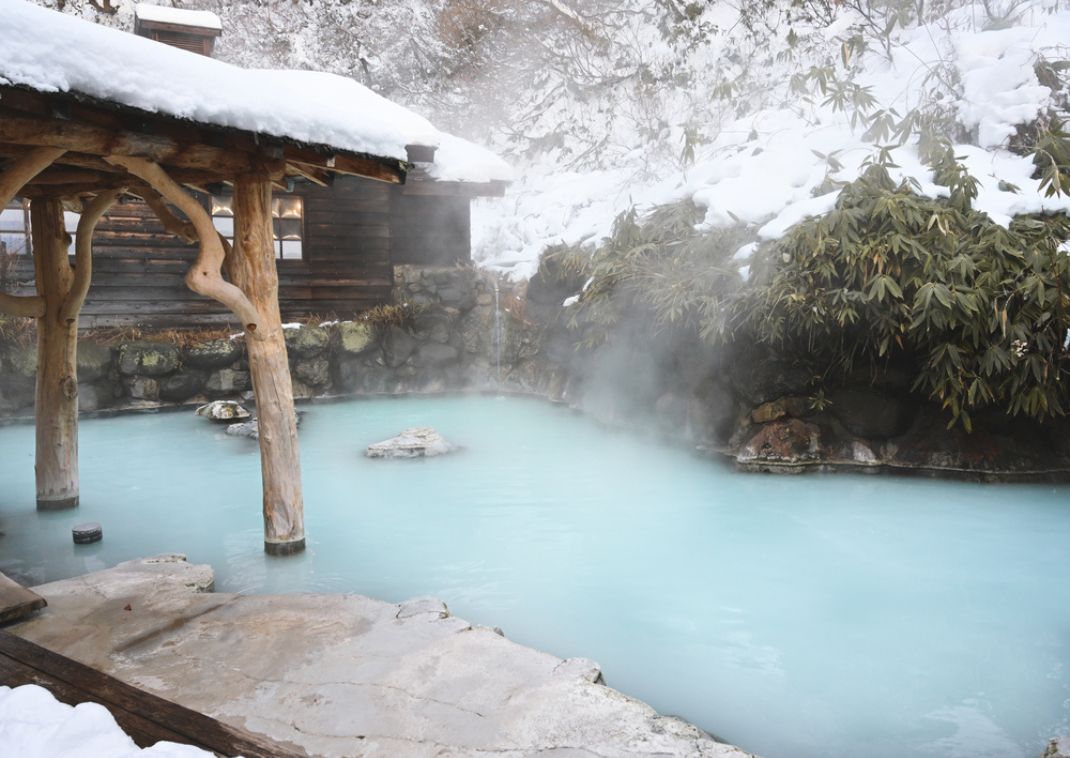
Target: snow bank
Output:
[(768, 166), (167, 15), (51, 52), (33, 724)]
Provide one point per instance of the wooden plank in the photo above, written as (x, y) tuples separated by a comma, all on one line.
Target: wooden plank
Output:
[(16, 601), (139, 712)]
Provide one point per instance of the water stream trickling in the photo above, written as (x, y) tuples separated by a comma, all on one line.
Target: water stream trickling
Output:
[(800, 617), (497, 334)]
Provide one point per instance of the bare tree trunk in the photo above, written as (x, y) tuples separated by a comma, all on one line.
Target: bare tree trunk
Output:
[(251, 265), (56, 398)]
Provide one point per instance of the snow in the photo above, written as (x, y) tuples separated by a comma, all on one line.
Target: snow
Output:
[(458, 160), (52, 52), (33, 724), (167, 15), (764, 158)]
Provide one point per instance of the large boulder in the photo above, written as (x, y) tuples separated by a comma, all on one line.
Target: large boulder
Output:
[(147, 359), (356, 337), (142, 387), (93, 397), (94, 361), (227, 381), (398, 345), (418, 442), (306, 341), (212, 353), (182, 386), (787, 441), (312, 371), (870, 413), (435, 354)]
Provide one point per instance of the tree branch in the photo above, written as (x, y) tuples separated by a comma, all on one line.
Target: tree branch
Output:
[(204, 276), (27, 306), (83, 253), (172, 223)]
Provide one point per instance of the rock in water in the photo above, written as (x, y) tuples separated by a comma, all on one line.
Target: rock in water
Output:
[(419, 442), (250, 429), (223, 410)]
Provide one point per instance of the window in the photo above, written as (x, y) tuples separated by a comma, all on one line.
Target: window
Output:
[(287, 222), (15, 228)]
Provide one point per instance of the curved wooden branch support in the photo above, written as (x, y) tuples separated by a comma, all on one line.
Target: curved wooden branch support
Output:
[(14, 178), (19, 173), (205, 275), (184, 230), (83, 254)]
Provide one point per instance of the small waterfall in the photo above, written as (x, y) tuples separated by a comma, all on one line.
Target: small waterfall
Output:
[(497, 334)]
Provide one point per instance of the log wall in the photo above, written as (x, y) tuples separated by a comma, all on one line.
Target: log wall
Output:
[(354, 233)]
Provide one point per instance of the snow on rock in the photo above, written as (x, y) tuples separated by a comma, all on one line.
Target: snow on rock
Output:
[(167, 15), (48, 51), (33, 724)]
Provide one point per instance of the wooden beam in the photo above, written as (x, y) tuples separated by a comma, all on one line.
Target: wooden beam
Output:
[(314, 175), (252, 267), (103, 142), (147, 718)]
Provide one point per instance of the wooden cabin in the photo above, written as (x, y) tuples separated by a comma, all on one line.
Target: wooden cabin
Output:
[(337, 238)]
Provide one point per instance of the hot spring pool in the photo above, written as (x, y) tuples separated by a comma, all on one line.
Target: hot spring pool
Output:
[(794, 616)]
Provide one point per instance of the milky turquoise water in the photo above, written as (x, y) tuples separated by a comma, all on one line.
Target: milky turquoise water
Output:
[(798, 617)]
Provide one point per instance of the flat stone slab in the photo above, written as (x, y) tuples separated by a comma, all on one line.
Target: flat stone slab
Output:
[(343, 675)]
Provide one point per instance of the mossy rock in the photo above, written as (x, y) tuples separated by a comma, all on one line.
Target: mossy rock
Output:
[(356, 337), (306, 341), (148, 359), (212, 353)]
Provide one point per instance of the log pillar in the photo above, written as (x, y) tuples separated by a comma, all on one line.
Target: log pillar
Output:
[(251, 266), (56, 395)]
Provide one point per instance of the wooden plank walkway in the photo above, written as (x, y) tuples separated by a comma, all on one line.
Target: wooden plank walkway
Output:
[(144, 716), (16, 601)]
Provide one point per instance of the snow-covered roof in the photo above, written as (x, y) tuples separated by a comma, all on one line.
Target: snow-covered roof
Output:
[(458, 160), (51, 52), (177, 16)]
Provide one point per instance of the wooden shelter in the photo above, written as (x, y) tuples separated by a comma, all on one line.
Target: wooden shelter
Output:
[(81, 138)]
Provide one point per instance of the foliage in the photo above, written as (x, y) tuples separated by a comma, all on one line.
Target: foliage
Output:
[(662, 270), (17, 330), (982, 310)]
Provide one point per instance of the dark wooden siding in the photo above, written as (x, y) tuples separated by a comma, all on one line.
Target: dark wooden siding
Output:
[(431, 229), (354, 231)]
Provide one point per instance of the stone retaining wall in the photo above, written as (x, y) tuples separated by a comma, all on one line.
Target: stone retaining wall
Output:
[(439, 335)]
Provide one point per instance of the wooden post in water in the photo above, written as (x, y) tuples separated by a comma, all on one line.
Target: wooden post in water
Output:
[(251, 266), (63, 290), (252, 294), (56, 396)]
